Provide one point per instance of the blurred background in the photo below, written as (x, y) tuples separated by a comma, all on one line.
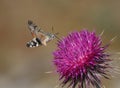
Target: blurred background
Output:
[(22, 67)]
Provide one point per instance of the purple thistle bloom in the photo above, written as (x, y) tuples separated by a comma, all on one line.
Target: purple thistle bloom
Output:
[(81, 60)]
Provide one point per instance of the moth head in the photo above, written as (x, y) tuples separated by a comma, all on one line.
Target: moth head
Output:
[(54, 35)]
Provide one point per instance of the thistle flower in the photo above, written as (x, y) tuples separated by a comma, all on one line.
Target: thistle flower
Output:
[(80, 60)]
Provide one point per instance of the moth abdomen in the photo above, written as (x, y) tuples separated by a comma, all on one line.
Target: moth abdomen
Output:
[(35, 42)]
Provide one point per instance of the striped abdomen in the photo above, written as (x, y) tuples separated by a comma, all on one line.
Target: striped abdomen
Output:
[(35, 42)]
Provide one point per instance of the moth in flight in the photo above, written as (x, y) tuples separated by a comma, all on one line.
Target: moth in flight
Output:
[(39, 36)]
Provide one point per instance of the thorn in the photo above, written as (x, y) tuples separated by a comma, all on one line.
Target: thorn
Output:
[(113, 38), (49, 72), (111, 41), (56, 86), (117, 53), (104, 86), (102, 33)]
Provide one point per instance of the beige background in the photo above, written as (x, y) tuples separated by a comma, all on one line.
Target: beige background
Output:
[(22, 67)]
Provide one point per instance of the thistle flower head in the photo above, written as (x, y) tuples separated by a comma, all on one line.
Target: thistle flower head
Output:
[(80, 60)]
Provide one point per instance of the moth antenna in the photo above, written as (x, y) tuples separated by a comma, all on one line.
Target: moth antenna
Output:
[(55, 34), (52, 29), (57, 37)]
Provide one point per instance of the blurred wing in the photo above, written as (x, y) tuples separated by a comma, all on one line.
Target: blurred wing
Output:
[(35, 31), (33, 28)]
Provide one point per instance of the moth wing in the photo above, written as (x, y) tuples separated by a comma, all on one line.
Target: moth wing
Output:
[(33, 28)]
